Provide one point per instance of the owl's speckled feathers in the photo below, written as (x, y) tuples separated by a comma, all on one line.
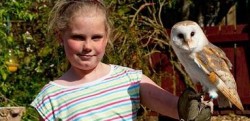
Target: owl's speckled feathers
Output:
[(205, 63)]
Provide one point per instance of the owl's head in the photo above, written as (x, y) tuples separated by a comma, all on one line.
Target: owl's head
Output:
[(188, 36)]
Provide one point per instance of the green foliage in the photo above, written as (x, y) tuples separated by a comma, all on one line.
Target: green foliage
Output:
[(137, 33), (23, 30)]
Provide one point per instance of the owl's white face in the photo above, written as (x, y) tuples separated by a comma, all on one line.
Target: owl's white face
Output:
[(188, 36)]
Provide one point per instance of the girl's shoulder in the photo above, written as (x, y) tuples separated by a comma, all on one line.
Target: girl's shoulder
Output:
[(44, 93), (122, 71), (123, 68), (48, 89)]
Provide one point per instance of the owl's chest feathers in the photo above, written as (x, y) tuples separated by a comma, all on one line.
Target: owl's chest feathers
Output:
[(194, 71)]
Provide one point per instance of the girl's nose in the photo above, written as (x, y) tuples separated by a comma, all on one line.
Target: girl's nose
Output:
[(86, 46)]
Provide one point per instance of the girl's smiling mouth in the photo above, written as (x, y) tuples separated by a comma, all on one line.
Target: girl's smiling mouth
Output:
[(84, 56)]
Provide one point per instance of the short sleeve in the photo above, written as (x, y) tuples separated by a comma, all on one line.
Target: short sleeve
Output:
[(134, 75), (42, 102)]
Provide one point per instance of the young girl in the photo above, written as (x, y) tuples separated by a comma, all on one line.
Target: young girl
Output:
[(90, 89)]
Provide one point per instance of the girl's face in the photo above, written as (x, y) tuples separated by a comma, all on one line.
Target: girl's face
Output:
[(85, 41)]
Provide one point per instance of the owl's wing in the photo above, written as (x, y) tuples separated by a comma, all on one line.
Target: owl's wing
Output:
[(215, 63)]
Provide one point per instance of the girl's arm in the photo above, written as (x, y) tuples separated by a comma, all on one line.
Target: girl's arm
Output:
[(158, 99)]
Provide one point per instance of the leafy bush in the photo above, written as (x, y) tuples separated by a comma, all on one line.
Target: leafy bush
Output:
[(23, 32)]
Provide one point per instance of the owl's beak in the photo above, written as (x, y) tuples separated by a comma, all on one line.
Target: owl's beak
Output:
[(188, 42)]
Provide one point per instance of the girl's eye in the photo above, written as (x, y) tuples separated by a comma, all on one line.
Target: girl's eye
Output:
[(97, 37), (78, 37)]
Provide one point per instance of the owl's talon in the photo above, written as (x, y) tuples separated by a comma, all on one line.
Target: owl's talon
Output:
[(208, 103)]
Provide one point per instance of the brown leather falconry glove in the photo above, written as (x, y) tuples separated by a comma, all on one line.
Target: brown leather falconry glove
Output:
[(192, 108)]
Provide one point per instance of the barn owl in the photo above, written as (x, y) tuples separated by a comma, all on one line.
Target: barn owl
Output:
[(205, 63)]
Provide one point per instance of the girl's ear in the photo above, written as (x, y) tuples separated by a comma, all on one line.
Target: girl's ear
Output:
[(59, 37), (107, 37)]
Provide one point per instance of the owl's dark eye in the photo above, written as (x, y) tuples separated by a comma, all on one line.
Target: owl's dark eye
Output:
[(192, 34), (180, 35)]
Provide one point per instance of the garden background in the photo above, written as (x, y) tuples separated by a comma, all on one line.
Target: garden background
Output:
[(30, 56)]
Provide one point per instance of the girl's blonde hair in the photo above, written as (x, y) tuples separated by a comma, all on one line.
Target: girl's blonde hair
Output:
[(64, 10)]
